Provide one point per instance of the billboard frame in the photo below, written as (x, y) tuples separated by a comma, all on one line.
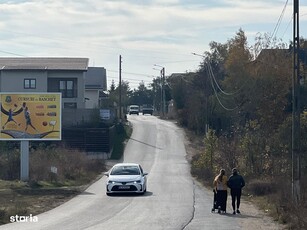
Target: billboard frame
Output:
[(41, 122)]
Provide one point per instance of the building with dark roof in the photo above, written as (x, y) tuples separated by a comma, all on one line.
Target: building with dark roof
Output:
[(39, 63), (80, 85), (65, 75)]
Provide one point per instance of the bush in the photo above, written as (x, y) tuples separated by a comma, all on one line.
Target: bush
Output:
[(260, 188), (9, 164), (200, 170), (123, 132), (3, 215), (70, 166)]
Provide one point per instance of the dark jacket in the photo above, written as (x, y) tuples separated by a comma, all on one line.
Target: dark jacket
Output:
[(236, 181)]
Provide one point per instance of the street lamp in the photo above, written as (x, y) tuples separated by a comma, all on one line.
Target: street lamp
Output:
[(162, 73)]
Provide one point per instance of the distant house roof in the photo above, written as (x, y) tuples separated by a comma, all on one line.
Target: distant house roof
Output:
[(103, 94), (181, 75), (267, 55), (96, 78), (274, 52), (178, 74), (41, 63)]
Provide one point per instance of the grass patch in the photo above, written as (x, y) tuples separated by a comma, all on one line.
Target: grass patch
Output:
[(263, 203), (122, 133), (20, 198), (48, 189)]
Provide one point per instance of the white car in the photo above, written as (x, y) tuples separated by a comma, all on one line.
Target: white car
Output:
[(134, 109), (126, 177)]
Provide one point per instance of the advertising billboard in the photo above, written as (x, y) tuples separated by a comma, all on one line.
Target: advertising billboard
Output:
[(33, 116)]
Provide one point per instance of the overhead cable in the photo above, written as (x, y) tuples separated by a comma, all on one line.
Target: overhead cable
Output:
[(217, 84), (216, 94), (278, 22)]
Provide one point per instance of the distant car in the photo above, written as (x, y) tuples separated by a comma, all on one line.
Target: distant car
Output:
[(134, 109), (126, 178), (147, 109)]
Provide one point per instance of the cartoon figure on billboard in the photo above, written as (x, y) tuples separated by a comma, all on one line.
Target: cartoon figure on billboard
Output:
[(10, 115), (28, 119)]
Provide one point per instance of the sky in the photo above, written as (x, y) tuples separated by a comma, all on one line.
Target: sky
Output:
[(148, 34)]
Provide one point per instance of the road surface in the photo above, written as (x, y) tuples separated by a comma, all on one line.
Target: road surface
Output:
[(174, 201)]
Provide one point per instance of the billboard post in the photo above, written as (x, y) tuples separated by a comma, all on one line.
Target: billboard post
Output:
[(28, 117), (24, 160)]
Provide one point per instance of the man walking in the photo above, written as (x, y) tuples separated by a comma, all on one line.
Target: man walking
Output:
[(235, 183)]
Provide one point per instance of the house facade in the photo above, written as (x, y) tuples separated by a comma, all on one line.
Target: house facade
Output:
[(65, 75), (70, 76), (95, 84)]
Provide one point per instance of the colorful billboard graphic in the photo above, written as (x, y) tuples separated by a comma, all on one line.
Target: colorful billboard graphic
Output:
[(30, 116)]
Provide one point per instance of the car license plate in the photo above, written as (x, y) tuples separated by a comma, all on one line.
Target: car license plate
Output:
[(124, 187)]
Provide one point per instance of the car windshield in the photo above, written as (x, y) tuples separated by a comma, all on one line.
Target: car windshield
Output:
[(125, 170), (134, 107)]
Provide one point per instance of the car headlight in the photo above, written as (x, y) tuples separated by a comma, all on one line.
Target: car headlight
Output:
[(137, 181), (111, 182)]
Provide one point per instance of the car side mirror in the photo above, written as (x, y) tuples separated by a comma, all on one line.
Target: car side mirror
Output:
[(145, 174), (106, 174)]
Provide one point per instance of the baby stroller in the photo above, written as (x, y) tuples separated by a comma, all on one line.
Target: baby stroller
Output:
[(216, 202)]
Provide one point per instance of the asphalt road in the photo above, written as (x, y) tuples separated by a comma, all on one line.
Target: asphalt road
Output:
[(173, 199)]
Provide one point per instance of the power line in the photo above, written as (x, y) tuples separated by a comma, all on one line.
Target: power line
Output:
[(139, 74), (279, 21), (100, 44), (217, 84), (130, 79), (16, 54), (288, 25), (216, 94)]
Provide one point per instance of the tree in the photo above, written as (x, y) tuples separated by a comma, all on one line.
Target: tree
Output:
[(142, 95), (114, 94), (156, 93), (112, 87)]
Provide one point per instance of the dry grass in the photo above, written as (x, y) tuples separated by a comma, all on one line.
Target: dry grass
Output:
[(17, 198), (47, 189), (274, 198)]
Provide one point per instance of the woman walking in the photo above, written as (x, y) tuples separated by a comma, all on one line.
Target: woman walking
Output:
[(220, 186)]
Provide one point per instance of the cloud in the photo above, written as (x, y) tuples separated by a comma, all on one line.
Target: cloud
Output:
[(116, 21), (150, 29)]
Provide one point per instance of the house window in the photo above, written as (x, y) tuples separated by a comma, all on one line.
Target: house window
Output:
[(30, 83), (70, 105), (67, 88)]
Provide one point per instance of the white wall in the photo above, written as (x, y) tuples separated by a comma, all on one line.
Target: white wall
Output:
[(93, 96)]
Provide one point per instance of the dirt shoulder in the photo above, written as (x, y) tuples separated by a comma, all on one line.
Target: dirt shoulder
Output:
[(252, 217), (19, 198), (256, 219)]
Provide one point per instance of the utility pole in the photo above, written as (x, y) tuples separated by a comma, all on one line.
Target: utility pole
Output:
[(206, 90), (296, 108), (163, 90), (162, 77), (161, 101), (120, 88)]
